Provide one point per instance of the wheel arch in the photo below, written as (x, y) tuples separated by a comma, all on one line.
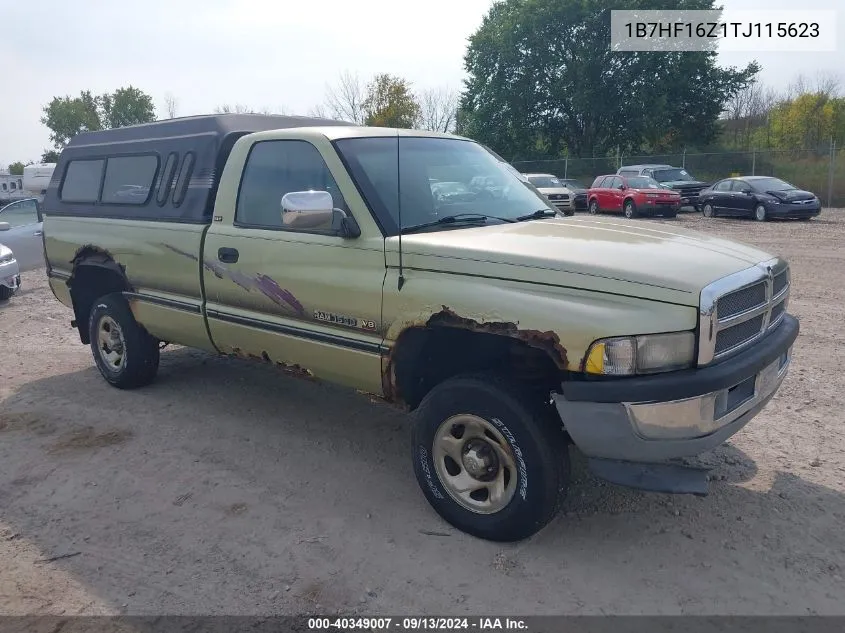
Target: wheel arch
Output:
[(95, 273), (424, 356)]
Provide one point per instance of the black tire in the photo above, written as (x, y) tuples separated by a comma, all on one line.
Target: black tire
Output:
[(670, 214), (708, 211), (629, 209), (139, 350), (593, 207), (6, 293), (760, 217), (533, 436)]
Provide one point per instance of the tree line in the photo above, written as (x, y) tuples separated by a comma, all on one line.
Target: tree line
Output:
[(542, 82), (809, 114)]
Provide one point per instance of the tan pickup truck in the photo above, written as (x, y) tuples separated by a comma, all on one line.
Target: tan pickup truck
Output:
[(509, 330)]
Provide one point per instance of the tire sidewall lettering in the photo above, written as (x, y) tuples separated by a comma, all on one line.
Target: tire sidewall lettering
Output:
[(424, 464), (521, 467)]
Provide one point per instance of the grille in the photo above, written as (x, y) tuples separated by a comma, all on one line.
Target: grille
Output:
[(778, 310), (736, 335), (739, 309), (741, 301), (780, 283)]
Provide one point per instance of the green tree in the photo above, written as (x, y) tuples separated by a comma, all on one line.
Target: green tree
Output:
[(68, 116), (390, 103), (542, 79), (126, 106), (50, 156), (16, 169)]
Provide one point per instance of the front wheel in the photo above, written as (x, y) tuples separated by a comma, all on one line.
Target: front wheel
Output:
[(125, 353), (630, 209), (488, 457), (760, 213), (594, 207)]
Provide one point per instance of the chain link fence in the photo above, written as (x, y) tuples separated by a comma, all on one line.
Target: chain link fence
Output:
[(819, 171)]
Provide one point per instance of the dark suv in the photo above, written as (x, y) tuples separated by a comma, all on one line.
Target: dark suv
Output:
[(676, 178)]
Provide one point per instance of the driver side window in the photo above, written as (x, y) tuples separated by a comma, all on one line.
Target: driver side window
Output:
[(725, 185), (20, 213), (275, 168)]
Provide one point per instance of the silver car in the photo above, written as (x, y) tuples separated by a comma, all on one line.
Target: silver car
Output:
[(20, 230), (10, 276)]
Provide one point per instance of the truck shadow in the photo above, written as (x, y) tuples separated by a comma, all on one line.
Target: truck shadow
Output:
[(279, 480)]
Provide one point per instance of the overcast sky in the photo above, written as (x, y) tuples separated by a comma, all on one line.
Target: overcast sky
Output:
[(261, 53)]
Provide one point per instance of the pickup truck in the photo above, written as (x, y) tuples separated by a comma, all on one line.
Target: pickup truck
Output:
[(507, 330)]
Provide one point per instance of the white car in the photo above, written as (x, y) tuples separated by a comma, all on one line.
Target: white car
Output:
[(20, 230), (550, 186), (10, 275)]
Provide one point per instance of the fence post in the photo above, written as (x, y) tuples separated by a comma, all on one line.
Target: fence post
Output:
[(618, 158), (566, 166), (831, 165), (684, 159), (753, 162)]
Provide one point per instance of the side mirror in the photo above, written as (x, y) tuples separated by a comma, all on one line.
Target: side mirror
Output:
[(5, 226), (307, 209), (623, 187)]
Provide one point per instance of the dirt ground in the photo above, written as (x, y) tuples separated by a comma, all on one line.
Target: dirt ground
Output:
[(229, 488)]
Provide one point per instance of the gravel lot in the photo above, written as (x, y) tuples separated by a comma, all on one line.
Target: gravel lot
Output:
[(228, 487)]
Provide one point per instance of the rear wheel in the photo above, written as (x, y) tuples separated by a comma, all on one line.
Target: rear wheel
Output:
[(125, 353), (707, 210), (489, 457), (594, 207), (630, 209), (760, 213)]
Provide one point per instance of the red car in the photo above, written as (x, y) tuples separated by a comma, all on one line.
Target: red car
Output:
[(633, 196)]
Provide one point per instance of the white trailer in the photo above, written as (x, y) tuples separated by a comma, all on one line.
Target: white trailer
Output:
[(37, 177)]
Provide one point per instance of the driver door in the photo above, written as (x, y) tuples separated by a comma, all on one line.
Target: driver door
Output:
[(304, 298)]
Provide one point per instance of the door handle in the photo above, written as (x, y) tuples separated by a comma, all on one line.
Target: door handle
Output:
[(228, 255)]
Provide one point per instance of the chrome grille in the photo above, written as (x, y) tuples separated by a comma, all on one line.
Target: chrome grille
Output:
[(777, 312), (738, 334), (742, 300), (781, 281), (739, 309)]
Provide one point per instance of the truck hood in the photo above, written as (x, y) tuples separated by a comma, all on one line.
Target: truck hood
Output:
[(651, 261)]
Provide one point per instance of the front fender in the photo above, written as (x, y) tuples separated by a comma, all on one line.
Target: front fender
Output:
[(562, 321)]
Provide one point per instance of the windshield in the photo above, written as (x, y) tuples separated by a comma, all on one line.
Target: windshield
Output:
[(771, 184), (547, 182), (672, 175), (394, 173), (643, 182)]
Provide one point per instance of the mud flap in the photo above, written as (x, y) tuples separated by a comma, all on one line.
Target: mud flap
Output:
[(669, 478)]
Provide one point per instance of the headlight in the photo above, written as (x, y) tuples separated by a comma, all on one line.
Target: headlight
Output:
[(648, 354), (7, 259)]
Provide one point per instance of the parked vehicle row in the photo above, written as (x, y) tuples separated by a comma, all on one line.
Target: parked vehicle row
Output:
[(664, 190)]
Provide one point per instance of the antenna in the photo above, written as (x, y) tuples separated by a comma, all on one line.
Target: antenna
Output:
[(399, 209)]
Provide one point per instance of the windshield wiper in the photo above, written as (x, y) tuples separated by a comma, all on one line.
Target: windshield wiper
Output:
[(540, 213), (476, 218)]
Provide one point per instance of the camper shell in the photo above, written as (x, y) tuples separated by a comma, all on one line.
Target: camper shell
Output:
[(166, 171)]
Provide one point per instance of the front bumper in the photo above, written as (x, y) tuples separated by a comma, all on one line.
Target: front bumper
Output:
[(679, 414), (658, 207), (10, 276), (787, 210)]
